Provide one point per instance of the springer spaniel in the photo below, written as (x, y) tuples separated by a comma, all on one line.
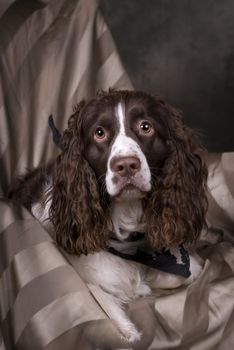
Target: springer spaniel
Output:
[(130, 174)]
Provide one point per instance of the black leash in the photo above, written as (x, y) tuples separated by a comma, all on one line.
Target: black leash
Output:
[(55, 132)]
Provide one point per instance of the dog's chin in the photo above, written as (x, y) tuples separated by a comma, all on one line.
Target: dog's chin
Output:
[(130, 192)]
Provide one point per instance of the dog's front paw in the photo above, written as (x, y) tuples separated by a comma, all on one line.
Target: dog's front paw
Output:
[(130, 333)]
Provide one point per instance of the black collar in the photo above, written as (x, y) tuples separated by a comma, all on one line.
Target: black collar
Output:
[(174, 260)]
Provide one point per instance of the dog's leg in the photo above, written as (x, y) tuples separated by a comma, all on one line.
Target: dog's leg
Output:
[(114, 309)]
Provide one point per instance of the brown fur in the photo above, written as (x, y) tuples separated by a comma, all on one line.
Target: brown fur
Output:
[(76, 212), (175, 211)]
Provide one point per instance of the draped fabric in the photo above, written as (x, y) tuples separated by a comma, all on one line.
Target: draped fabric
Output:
[(54, 53)]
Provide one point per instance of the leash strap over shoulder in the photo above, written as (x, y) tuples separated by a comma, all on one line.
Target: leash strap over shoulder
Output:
[(55, 133)]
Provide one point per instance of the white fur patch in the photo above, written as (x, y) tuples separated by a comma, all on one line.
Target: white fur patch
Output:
[(126, 218), (40, 211), (120, 114)]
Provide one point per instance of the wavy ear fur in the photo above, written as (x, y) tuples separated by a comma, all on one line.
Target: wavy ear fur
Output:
[(176, 210), (76, 211)]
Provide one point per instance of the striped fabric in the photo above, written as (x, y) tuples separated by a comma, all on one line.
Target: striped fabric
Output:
[(53, 53)]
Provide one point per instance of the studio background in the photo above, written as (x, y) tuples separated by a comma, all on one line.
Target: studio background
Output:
[(184, 51)]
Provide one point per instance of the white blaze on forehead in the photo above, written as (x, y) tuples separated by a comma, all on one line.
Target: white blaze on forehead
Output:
[(123, 145), (120, 115)]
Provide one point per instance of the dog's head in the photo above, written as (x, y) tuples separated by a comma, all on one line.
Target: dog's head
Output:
[(125, 145)]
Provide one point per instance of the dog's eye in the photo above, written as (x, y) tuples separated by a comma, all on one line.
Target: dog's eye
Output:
[(146, 127), (99, 134)]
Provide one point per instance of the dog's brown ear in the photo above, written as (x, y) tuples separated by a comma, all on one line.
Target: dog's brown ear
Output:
[(76, 211), (177, 207)]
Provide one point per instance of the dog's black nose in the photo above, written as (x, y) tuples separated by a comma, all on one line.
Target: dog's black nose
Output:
[(125, 166)]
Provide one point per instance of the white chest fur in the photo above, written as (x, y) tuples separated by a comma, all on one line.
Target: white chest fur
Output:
[(126, 218)]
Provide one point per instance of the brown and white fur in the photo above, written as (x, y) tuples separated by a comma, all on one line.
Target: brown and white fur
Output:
[(128, 164)]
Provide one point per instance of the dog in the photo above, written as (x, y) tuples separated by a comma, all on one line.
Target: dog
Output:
[(130, 174)]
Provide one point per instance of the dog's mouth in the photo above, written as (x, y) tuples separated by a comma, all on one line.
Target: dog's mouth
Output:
[(130, 191)]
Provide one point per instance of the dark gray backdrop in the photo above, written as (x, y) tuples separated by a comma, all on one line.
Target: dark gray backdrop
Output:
[(183, 50)]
